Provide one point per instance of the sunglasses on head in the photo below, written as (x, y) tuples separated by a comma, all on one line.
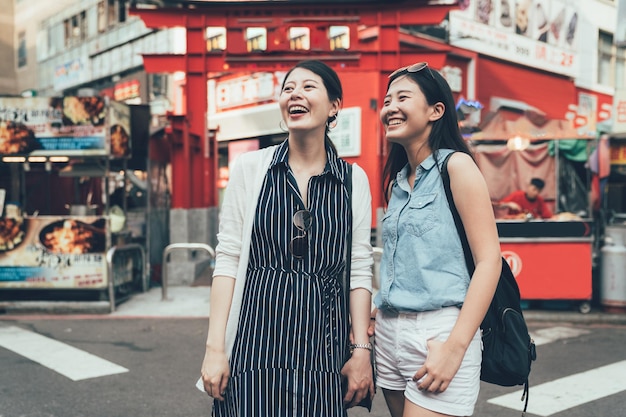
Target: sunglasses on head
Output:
[(299, 245), (412, 68)]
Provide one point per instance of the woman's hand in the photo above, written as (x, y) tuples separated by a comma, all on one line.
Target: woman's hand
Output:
[(215, 373), (358, 371), (442, 363), (371, 329)]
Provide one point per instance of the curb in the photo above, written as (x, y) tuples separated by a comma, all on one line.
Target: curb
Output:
[(594, 317), (8, 308)]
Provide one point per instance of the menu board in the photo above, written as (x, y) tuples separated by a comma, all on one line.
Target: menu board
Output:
[(119, 122), (48, 126), (53, 252)]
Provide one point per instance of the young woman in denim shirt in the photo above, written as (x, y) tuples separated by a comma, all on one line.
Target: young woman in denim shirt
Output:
[(428, 310)]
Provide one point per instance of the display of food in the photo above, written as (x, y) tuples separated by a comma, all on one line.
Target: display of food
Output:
[(119, 141), (16, 138), (73, 237), (11, 233), (84, 110)]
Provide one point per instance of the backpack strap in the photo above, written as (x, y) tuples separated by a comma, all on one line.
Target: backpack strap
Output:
[(467, 252)]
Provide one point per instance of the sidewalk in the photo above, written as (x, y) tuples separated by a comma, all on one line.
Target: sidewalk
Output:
[(180, 302), (193, 302)]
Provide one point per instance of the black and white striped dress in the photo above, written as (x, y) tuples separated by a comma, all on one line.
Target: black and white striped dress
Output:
[(291, 338)]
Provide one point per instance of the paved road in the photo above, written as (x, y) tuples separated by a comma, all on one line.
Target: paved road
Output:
[(149, 367), (144, 360)]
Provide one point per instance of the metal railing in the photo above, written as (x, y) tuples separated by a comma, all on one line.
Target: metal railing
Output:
[(178, 246), (111, 270)]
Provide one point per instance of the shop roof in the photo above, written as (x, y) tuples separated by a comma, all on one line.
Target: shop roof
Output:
[(504, 124)]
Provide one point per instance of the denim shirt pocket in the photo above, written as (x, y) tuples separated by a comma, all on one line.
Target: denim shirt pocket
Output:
[(386, 224), (421, 214)]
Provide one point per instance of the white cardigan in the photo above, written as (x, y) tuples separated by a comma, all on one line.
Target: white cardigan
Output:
[(236, 219)]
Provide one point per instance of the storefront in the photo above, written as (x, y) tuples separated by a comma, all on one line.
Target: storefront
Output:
[(551, 258), (233, 70), (59, 230)]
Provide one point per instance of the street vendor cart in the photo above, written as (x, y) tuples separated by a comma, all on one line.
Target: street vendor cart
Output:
[(552, 259), (59, 237)]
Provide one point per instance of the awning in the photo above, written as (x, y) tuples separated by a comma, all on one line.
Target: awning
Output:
[(505, 124)]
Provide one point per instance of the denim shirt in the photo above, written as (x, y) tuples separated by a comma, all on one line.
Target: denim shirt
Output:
[(422, 266)]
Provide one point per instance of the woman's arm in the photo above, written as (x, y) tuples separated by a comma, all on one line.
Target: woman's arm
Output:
[(472, 200), (358, 369), (215, 368)]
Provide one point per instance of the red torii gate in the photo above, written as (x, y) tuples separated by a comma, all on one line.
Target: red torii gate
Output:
[(375, 44)]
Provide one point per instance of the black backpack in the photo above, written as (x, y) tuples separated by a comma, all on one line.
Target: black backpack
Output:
[(508, 350)]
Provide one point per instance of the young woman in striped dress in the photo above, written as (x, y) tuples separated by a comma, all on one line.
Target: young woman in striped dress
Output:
[(278, 329)]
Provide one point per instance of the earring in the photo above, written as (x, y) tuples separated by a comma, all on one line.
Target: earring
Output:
[(282, 126), (331, 123)]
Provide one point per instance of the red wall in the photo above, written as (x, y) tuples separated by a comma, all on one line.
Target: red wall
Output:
[(362, 89), (548, 92)]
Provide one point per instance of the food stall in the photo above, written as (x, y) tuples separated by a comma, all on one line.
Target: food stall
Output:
[(58, 231), (550, 258)]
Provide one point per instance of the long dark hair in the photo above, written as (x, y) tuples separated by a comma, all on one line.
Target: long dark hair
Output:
[(331, 82), (445, 133)]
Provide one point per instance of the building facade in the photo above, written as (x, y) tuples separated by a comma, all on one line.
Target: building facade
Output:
[(8, 74)]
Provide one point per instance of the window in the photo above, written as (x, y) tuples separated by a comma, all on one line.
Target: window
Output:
[(21, 49), (82, 25), (102, 16), (112, 12), (605, 58), (215, 38), (339, 38), (159, 85), (75, 29), (121, 11), (611, 62), (620, 68), (256, 39), (300, 38)]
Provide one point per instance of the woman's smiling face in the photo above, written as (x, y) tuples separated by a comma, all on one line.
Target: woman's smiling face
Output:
[(406, 115), (304, 102)]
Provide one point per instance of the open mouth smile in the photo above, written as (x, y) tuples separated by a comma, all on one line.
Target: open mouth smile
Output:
[(298, 110)]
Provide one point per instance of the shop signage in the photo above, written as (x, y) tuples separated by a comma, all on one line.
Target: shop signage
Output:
[(514, 261), (454, 77), (557, 269), (53, 252), (256, 88), (69, 74), (126, 90), (347, 134), (64, 126), (119, 130), (544, 38), (618, 154), (619, 112), (586, 113)]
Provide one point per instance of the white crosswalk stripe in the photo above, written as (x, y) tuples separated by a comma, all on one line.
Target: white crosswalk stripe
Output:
[(564, 393), (69, 361), (568, 392)]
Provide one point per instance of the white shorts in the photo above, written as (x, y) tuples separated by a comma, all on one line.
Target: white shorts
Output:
[(401, 350)]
